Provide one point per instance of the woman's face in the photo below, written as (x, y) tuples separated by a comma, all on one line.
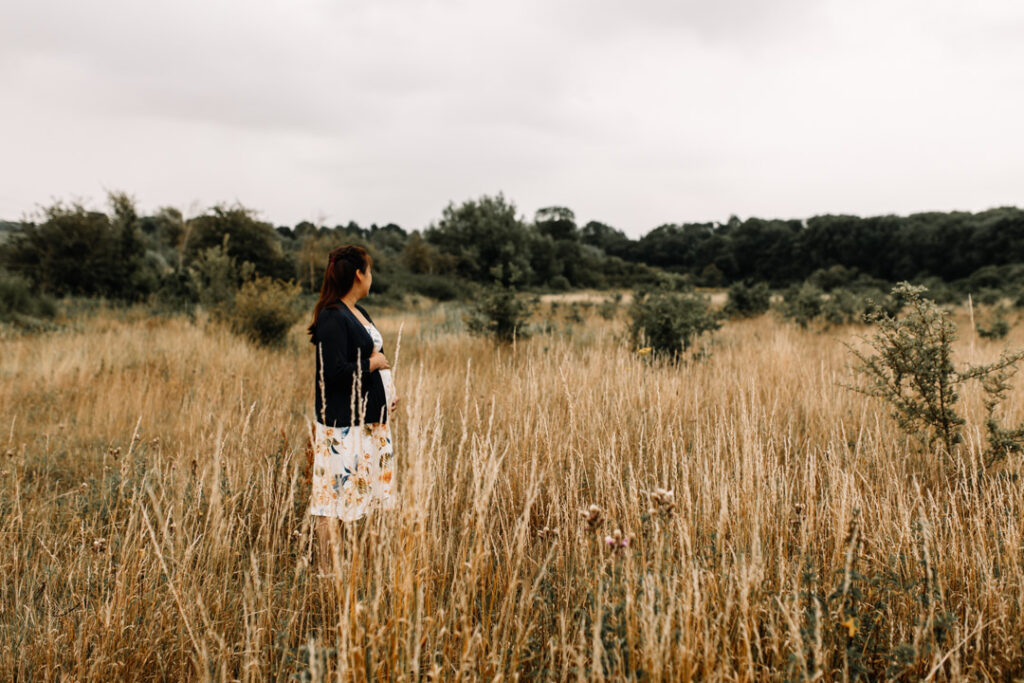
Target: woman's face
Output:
[(363, 281)]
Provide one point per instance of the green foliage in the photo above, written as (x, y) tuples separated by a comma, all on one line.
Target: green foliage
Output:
[(851, 620), (20, 305), (264, 310), (609, 308), (669, 322), (485, 238), (75, 251), (911, 368), (807, 303), (997, 326), (747, 301), (216, 276), (802, 304), (501, 315), (559, 283), (244, 238)]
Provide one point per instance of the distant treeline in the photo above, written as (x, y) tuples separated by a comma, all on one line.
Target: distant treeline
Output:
[(949, 246), (119, 253)]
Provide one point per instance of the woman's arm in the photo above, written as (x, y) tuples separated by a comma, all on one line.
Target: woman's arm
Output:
[(334, 343)]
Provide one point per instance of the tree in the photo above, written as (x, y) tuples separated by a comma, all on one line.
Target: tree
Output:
[(418, 256), (606, 238), (251, 241), (558, 222), (73, 250), (484, 237)]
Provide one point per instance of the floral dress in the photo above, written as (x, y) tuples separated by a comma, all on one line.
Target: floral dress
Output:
[(353, 466)]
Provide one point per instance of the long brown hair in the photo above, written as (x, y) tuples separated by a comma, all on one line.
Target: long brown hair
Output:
[(342, 265)]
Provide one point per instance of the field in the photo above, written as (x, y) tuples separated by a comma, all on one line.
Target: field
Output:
[(153, 526)]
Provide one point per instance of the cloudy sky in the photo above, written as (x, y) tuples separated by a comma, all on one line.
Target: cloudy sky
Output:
[(633, 113)]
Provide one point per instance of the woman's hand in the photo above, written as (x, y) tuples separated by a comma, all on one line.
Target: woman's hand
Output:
[(378, 362)]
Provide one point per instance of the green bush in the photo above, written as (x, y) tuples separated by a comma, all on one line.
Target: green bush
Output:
[(669, 322), (807, 303), (501, 315), (609, 308), (997, 326), (18, 303), (802, 304), (911, 367), (747, 301), (436, 287), (559, 283), (264, 310), (216, 276)]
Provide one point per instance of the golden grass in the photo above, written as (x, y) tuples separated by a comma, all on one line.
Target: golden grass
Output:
[(153, 526)]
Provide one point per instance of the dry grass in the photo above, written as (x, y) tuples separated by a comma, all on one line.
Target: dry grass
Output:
[(153, 526)]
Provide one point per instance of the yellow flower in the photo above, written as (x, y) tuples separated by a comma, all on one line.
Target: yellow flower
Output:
[(851, 625), (644, 351)]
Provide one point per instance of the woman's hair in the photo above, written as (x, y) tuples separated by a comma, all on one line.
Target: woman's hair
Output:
[(342, 265)]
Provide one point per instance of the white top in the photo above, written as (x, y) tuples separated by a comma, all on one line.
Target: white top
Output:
[(385, 374)]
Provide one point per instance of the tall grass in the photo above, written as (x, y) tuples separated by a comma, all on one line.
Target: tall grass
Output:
[(155, 480)]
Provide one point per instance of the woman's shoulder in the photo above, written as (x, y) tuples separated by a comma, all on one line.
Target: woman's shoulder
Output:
[(331, 317)]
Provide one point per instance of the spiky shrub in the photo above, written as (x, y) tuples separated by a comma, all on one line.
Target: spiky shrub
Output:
[(265, 309), (912, 369), (669, 322), (501, 315)]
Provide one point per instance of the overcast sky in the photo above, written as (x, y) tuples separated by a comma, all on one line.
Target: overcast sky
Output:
[(633, 113)]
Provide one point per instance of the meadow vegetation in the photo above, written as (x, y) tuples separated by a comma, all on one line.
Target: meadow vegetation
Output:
[(570, 510)]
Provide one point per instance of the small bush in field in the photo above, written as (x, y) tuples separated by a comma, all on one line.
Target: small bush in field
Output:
[(912, 369), (216, 276), (806, 304), (501, 315), (669, 322), (609, 308), (20, 305), (802, 304), (264, 310), (747, 301), (997, 326)]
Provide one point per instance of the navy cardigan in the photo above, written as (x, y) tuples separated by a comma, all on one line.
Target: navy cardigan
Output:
[(344, 346)]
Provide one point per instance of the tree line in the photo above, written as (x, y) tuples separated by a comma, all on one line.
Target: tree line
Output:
[(68, 249)]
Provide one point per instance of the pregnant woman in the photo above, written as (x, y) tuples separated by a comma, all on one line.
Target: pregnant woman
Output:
[(353, 458)]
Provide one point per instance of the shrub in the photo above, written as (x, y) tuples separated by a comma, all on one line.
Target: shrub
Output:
[(18, 304), (747, 301), (436, 287), (807, 303), (216, 276), (264, 310), (997, 326), (669, 322), (609, 308), (802, 304), (80, 252), (912, 369), (501, 315), (559, 283)]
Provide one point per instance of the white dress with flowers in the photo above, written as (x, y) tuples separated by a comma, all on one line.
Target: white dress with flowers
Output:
[(353, 466)]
